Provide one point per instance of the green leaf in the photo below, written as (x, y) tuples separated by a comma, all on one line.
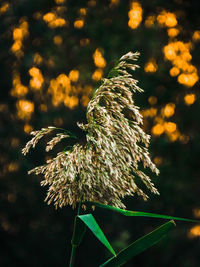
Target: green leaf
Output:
[(91, 223), (139, 213), (79, 231), (139, 245)]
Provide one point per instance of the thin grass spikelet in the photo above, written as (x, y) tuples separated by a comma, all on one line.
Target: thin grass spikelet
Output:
[(107, 167)]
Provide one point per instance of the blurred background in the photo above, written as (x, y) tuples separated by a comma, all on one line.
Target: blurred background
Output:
[(53, 55)]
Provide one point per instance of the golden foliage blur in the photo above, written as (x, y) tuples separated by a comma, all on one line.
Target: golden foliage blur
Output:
[(196, 36), (158, 160), (28, 128), (53, 21), (59, 1), (170, 127), (168, 110), (74, 75), (157, 129), (4, 7), (19, 34), (57, 39), (37, 59), (167, 19), (179, 54), (173, 32), (135, 15), (18, 90), (152, 100), (79, 23), (150, 20), (82, 11), (25, 109), (84, 42), (194, 231), (37, 79), (97, 75), (98, 58), (174, 71), (151, 66), (190, 99), (151, 112)]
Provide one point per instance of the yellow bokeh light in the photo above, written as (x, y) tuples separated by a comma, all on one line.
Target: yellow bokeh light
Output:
[(79, 23), (28, 128), (194, 231), (13, 167), (173, 32), (49, 17), (84, 42), (37, 79), (58, 2), (170, 127), (17, 34), (184, 138), (152, 100), (53, 20), (196, 36), (169, 51), (179, 54), (97, 75), (59, 22), (157, 129), (82, 11), (57, 40), (16, 46), (34, 71), (99, 60), (149, 22), (4, 7), (85, 100), (188, 79), (114, 3), (43, 107), (150, 66), (74, 75), (167, 19), (58, 122), (174, 71), (37, 59), (173, 136), (190, 99), (18, 90), (71, 102), (59, 89), (25, 109), (196, 212), (168, 110), (158, 160), (151, 112), (135, 15), (14, 142)]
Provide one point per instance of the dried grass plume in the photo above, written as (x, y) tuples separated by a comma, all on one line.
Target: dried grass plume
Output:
[(105, 168)]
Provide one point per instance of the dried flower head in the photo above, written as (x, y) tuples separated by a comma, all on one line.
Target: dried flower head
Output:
[(105, 168)]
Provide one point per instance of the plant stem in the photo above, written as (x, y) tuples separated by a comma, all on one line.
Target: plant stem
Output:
[(73, 252)]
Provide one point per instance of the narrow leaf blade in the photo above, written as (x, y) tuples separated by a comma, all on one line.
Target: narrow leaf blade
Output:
[(139, 245), (91, 223), (139, 213)]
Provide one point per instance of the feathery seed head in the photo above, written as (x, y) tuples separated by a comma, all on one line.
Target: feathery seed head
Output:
[(105, 168)]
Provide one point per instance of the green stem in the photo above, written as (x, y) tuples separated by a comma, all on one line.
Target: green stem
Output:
[(73, 252)]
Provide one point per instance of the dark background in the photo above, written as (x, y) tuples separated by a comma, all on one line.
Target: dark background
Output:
[(35, 234)]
